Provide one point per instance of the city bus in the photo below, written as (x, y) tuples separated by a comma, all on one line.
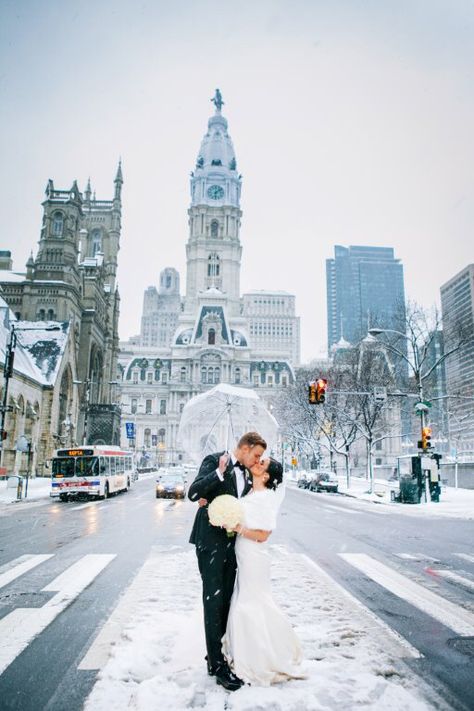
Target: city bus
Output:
[(91, 472)]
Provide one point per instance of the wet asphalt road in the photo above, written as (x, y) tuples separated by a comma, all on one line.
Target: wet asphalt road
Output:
[(46, 676)]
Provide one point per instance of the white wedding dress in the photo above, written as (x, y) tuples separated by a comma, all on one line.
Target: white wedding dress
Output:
[(259, 644)]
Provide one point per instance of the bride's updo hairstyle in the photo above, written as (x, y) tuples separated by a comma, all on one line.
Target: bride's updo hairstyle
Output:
[(275, 472)]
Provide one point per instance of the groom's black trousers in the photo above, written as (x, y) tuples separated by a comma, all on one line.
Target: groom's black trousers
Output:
[(217, 566)]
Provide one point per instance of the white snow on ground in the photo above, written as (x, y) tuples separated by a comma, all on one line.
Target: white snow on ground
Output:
[(38, 488), (157, 662), (453, 503)]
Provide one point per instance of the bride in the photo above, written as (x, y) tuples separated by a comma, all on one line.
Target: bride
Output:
[(259, 644)]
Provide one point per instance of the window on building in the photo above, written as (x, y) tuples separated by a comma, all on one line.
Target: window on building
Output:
[(255, 380), (211, 337), (50, 316), (148, 407), (164, 378), (135, 377), (213, 266), (41, 315), (161, 435), (270, 380), (96, 237), (217, 375), (162, 407), (378, 461), (237, 376), (149, 377), (58, 224), (284, 381), (181, 407), (214, 228), (182, 375), (147, 437), (133, 406), (378, 445), (168, 281)]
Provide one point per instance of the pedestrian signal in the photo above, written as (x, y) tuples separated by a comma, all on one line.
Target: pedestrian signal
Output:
[(321, 387)]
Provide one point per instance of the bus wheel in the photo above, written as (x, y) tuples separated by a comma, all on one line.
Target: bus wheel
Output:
[(63, 497), (106, 491), (128, 484)]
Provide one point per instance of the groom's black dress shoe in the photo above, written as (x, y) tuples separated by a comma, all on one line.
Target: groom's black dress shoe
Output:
[(210, 670), (225, 678)]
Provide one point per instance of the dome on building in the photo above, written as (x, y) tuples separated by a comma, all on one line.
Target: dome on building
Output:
[(217, 150)]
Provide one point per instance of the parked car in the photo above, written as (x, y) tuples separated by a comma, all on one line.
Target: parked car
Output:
[(324, 481), (303, 482), (171, 486)]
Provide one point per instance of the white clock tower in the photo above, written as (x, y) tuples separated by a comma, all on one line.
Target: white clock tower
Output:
[(213, 249)]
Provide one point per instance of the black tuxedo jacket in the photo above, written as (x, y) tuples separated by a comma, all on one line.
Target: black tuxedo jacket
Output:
[(207, 485)]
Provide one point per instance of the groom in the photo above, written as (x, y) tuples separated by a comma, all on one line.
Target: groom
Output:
[(220, 473)]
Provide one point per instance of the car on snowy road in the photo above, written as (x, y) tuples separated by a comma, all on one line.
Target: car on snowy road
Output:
[(171, 486), (324, 481)]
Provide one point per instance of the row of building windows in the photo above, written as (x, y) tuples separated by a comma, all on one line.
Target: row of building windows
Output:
[(270, 330), (134, 407)]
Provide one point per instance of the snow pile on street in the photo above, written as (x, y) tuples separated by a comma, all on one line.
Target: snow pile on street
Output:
[(351, 660)]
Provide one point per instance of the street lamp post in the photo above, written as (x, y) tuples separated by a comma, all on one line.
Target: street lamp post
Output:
[(8, 373), (87, 398)]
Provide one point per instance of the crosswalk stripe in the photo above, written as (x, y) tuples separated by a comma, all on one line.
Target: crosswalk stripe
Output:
[(409, 649), (465, 556), (417, 557), (453, 616), (20, 566), (340, 509), (22, 625), (455, 578)]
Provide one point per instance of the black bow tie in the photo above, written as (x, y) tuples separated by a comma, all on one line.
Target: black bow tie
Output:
[(240, 466)]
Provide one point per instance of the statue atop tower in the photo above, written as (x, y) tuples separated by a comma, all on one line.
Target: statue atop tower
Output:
[(217, 101)]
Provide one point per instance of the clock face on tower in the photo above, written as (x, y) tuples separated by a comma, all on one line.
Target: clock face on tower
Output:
[(215, 192)]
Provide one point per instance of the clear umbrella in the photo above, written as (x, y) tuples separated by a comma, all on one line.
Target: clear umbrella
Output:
[(216, 419)]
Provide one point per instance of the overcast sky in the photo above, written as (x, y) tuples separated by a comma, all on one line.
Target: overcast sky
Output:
[(352, 123)]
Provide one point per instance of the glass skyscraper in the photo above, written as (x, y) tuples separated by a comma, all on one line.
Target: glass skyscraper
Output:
[(364, 289)]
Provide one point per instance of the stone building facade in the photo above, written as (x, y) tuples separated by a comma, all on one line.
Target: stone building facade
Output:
[(212, 342), (73, 279)]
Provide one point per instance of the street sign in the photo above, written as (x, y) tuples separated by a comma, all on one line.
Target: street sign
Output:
[(130, 428)]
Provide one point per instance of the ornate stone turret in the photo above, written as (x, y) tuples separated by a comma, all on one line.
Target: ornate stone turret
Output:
[(213, 248)]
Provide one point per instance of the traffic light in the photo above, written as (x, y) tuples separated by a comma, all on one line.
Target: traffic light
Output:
[(321, 387), (312, 393), (426, 438)]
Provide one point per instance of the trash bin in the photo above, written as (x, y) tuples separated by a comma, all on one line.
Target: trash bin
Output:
[(409, 492), (15, 481), (435, 491)]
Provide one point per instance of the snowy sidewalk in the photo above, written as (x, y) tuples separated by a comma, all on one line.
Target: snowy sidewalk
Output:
[(38, 488), (151, 651), (453, 503)]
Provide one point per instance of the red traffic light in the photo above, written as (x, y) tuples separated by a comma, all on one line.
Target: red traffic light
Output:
[(317, 391)]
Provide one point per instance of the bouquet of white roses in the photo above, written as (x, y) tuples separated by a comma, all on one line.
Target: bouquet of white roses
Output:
[(226, 511)]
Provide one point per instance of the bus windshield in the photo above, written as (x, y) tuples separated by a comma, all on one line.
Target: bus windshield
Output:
[(76, 466), (63, 467), (87, 466)]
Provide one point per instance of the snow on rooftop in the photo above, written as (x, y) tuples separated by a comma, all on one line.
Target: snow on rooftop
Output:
[(44, 342), (8, 276)]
